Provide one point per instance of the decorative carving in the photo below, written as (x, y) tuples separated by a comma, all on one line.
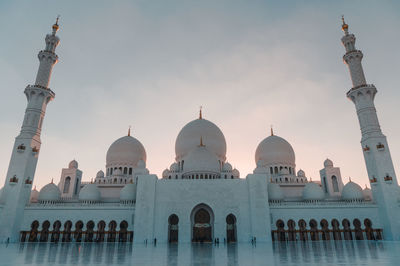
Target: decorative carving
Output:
[(373, 180)]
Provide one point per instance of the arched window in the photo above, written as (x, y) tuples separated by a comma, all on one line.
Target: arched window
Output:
[(66, 184), (276, 169), (130, 170), (183, 161), (271, 170), (281, 230), (335, 184), (76, 186), (123, 231), (125, 170), (173, 228), (325, 186)]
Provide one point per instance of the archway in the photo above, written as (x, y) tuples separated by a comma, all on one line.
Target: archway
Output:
[(173, 228), (230, 228), (202, 219)]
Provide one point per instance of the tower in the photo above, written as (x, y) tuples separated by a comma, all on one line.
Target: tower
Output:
[(70, 181), (25, 153), (331, 179), (374, 144)]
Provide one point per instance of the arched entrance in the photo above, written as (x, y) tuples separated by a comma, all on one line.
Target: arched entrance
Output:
[(230, 228), (202, 223), (173, 221)]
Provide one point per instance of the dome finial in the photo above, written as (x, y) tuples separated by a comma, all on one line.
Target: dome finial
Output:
[(129, 131), (345, 27), (56, 26), (349, 179), (52, 181), (200, 113), (272, 130)]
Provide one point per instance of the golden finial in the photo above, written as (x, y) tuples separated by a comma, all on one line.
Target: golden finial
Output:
[(52, 181), (272, 130), (129, 131), (200, 113), (345, 27), (349, 179), (56, 26)]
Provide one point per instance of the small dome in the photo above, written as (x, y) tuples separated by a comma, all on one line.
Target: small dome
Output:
[(328, 163), (90, 192), (125, 151), (188, 139), (128, 192), (275, 192), (73, 165), (165, 173), (367, 193), (174, 167), (227, 167), (352, 191), (100, 174), (301, 173), (235, 173), (34, 195), (49, 192), (201, 160), (313, 191), (275, 150)]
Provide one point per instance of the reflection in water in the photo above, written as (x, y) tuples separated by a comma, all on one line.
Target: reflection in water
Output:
[(282, 253)]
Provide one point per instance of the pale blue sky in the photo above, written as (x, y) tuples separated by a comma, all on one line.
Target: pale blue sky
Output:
[(151, 64)]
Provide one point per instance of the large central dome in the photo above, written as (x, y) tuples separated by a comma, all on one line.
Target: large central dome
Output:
[(188, 139), (125, 151), (275, 150)]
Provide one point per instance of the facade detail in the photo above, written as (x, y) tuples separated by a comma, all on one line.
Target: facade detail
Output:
[(200, 197)]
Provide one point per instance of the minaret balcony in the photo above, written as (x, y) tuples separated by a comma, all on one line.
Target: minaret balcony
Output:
[(388, 178), (13, 180), (21, 148), (373, 180), (380, 147)]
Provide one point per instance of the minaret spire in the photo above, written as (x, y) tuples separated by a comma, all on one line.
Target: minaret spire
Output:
[(272, 130), (129, 131), (374, 144), (27, 144), (200, 113)]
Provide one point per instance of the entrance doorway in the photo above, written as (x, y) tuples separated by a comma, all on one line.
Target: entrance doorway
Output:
[(202, 220), (173, 221), (230, 228)]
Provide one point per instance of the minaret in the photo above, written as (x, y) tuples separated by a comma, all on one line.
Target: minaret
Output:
[(374, 144), (25, 153)]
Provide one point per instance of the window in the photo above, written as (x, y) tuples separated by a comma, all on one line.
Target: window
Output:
[(335, 184), (130, 170), (66, 184)]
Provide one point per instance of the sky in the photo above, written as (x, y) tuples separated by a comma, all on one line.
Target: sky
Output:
[(151, 64)]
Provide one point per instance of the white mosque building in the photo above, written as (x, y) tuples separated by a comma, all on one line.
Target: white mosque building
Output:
[(201, 197)]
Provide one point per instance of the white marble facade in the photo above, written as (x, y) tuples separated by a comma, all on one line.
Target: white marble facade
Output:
[(201, 197)]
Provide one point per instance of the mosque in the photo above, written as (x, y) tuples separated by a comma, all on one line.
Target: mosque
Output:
[(201, 197)]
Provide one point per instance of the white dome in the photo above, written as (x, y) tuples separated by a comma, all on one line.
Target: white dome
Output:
[(201, 160), (34, 195), (301, 173), (73, 164), (125, 151), (235, 173), (128, 192), (313, 191), (352, 191), (49, 192), (367, 194), (165, 173), (188, 139), (275, 192), (174, 167), (227, 167), (100, 174), (275, 150), (328, 163), (141, 164), (90, 192)]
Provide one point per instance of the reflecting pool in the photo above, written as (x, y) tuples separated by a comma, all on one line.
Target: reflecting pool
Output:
[(278, 253)]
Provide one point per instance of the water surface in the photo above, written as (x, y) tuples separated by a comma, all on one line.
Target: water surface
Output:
[(278, 253)]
